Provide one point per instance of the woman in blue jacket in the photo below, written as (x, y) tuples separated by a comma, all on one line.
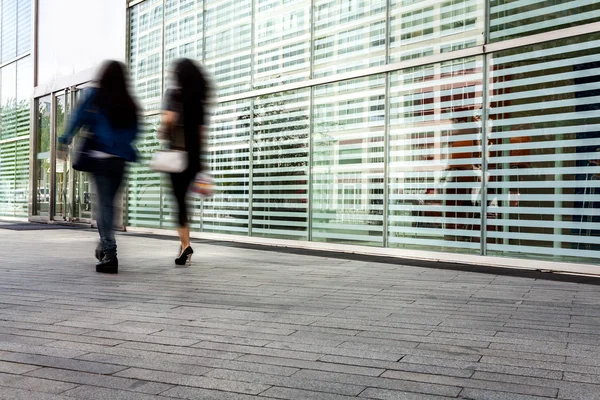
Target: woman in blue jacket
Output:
[(110, 113)]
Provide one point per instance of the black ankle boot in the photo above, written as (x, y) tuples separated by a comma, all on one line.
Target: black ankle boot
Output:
[(99, 252), (108, 265)]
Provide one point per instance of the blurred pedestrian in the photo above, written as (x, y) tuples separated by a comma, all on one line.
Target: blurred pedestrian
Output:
[(183, 124), (110, 114)]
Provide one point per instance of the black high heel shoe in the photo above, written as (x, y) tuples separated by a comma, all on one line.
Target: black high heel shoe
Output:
[(185, 257)]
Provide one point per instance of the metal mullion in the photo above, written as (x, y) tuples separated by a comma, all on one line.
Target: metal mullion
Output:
[(251, 168), (162, 88), (52, 158), (309, 191), (484, 152), (487, 23), (312, 42), (388, 30), (386, 159), (203, 58), (72, 172)]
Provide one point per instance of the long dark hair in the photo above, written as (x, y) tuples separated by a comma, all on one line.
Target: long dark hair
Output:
[(193, 90), (114, 98)]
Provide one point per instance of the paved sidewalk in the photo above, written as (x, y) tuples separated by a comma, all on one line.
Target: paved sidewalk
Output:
[(248, 323)]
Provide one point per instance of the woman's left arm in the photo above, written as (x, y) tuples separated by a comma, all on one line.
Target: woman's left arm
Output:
[(81, 118)]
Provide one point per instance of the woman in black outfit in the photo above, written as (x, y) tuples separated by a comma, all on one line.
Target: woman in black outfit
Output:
[(183, 118)]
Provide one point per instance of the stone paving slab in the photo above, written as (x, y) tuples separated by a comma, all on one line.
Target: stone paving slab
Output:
[(249, 322)]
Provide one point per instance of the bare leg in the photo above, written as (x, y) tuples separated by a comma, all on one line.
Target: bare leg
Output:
[(184, 236)]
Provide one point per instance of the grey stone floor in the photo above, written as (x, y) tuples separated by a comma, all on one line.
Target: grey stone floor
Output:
[(247, 323)]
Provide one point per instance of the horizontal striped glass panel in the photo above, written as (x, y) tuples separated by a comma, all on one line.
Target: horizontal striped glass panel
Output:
[(229, 161), (435, 158), (281, 42), (280, 165), (348, 161), (9, 29), (14, 178), (544, 150), (184, 28), (511, 19), (144, 191), (228, 44), (146, 52), (424, 28), (348, 35), (24, 26)]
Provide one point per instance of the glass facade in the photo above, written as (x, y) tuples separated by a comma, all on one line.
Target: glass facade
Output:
[(386, 123), (16, 87)]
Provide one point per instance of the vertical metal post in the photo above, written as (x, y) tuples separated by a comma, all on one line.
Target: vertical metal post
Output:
[(386, 160), (33, 117), (162, 88), (52, 158), (484, 152), (484, 129), (311, 120), (73, 200), (33, 143), (312, 41), (252, 112), (386, 134), (251, 167), (203, 58), (309, 192)]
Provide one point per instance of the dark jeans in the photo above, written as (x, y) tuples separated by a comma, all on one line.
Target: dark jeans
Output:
[(108, 176)]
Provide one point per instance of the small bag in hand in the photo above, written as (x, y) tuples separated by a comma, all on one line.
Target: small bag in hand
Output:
[(82, 158), (175, 159), (171, 161), (203, 185)]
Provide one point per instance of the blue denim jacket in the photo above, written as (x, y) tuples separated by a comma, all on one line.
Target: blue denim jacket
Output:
[(118, 142)]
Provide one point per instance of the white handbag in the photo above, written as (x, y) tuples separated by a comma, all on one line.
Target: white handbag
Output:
[(172, 161)]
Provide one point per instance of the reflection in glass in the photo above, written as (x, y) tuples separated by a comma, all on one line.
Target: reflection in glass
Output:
[(424, 28), (544, 161), (9, 197), (8, 122), (435, 156), (16, 82), (23, 96), (145, 62), (9, 30), (229, 160), (280, 165), (281, 42), (512, 19), (228, 53), (144, 185), (348, 155), (24, 25), (184, 24), (61, 190), (42, 157), (349, 35)]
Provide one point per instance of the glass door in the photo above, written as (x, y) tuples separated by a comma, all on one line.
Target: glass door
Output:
[(42, 160), (82, 189), (62, 192)]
